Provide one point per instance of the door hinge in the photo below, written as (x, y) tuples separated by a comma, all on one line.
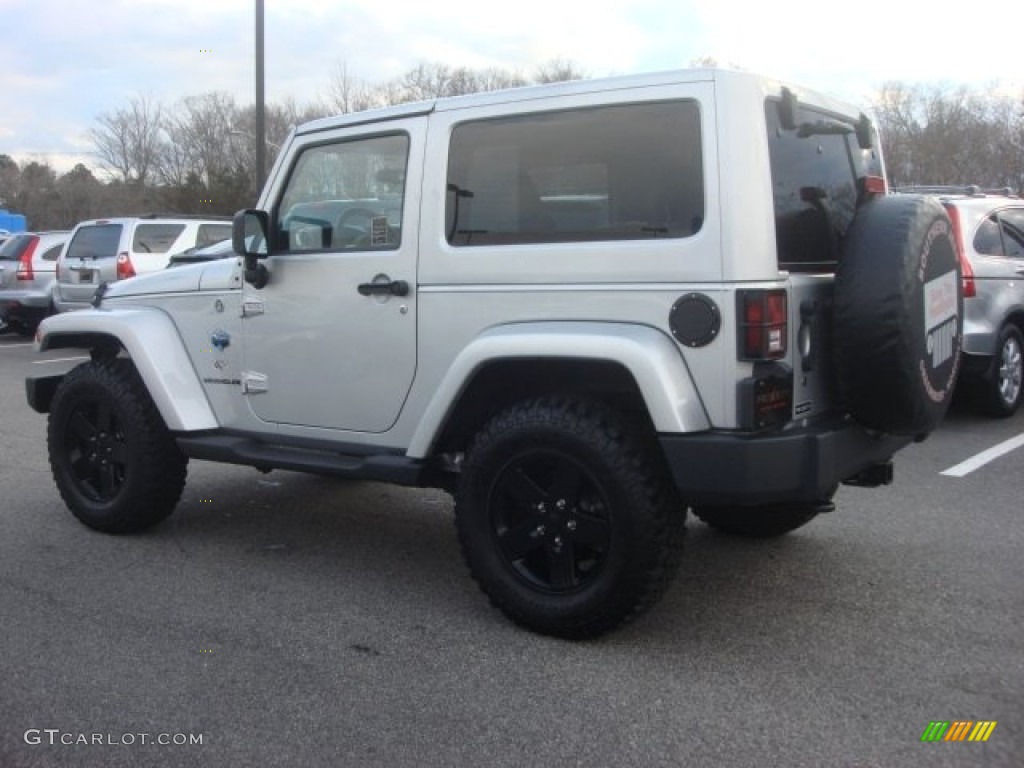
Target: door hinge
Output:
[(254, 383), (252, 305)]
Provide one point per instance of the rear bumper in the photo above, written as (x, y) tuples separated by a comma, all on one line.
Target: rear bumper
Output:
[(799, 465), (25, 299)]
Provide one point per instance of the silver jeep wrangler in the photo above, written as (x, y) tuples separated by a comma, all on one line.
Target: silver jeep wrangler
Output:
[(583, 309)]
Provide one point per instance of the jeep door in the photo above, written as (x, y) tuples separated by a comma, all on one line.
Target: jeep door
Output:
[(330, 341)]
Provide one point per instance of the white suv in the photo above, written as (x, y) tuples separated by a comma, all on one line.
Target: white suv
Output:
[(582, 308), (106, 250)]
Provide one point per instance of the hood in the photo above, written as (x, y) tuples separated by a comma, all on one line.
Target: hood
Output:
[(207, 276)]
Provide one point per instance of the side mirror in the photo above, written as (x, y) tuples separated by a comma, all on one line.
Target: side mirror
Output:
[(249, 233), (249, 240)]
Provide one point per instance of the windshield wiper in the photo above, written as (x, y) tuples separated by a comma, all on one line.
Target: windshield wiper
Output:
[(823, 128), (787, 108)]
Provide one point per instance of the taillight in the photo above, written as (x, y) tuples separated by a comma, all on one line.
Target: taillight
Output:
[(966, 270), (763, 324), (872, 186), (25, 271), (125, 268)]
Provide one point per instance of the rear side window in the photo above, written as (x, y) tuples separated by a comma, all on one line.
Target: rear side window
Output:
[(815, 170), (623, 172), (13, 248), (97, 241), (987, 240), (1001, 234), (212, 233), (156, 238), (1012, 225)]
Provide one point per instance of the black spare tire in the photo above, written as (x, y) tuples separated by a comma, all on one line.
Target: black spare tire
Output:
[(898, 315)]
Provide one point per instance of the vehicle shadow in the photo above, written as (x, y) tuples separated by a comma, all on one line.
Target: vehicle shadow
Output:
[(394, 552)]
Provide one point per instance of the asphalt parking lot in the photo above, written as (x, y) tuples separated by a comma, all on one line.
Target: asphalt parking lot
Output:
[(287, 620)]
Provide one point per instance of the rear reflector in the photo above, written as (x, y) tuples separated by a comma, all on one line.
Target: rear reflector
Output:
[(763, 324), (874, 185), (966, 270), (125, 268)]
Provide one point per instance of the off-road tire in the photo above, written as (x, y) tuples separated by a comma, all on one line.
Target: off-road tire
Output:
[(1000, 394), (757, 522), (580, 569), (116, 465), (898, 320)]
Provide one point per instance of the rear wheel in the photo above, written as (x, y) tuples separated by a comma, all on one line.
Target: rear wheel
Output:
[(116, 465), (566, 518), (1001, 394)]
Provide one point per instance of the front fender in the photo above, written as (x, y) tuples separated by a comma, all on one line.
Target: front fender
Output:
[(153, 343), (648, 354)]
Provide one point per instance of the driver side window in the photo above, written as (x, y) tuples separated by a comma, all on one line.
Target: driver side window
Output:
[(345, 196)]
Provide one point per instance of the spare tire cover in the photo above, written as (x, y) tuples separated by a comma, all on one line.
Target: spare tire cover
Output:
[(898, 315)]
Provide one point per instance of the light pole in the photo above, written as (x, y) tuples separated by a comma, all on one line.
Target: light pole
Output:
[(261, 129)]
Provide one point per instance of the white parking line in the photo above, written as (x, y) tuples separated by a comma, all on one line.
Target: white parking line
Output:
[(58, 360), (12, 346), (983, 458)]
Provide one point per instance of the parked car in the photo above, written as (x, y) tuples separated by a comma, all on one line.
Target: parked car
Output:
[(27, 269), (107, 250), (583, 308), (989, 232), (221, 250)]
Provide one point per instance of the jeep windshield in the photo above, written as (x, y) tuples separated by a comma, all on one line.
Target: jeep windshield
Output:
[(816, 167)]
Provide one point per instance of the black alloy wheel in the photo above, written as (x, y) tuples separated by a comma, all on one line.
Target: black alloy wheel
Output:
[(567, 516), (549, 516), (115, 463)]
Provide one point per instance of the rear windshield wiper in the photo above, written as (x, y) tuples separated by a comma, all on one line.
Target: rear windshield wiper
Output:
[(788, 119), (823, 128)]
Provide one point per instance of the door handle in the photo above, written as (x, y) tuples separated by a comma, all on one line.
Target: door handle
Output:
[(393, 288)]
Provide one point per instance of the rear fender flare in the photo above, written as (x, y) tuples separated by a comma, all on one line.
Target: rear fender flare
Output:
[(652, 359)]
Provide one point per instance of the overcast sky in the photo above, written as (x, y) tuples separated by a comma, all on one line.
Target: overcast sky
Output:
[(63, 62)]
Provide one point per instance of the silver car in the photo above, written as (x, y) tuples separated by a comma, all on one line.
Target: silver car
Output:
[(107, 250), (27, 269), (989, 229)]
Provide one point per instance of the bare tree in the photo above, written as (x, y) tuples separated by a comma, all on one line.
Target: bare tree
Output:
[(558, 70), (127, 141), (938, 134), (81, 196), (10, 175), (347, 93)]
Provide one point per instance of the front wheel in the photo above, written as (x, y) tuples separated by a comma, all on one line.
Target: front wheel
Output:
[(567, 519), (1001, 395), (116, 465)]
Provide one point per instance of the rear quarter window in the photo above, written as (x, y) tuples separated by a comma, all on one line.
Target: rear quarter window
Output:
[(51, 253), (620, 172)]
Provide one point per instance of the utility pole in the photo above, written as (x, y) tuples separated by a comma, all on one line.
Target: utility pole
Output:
[(261, 128)]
